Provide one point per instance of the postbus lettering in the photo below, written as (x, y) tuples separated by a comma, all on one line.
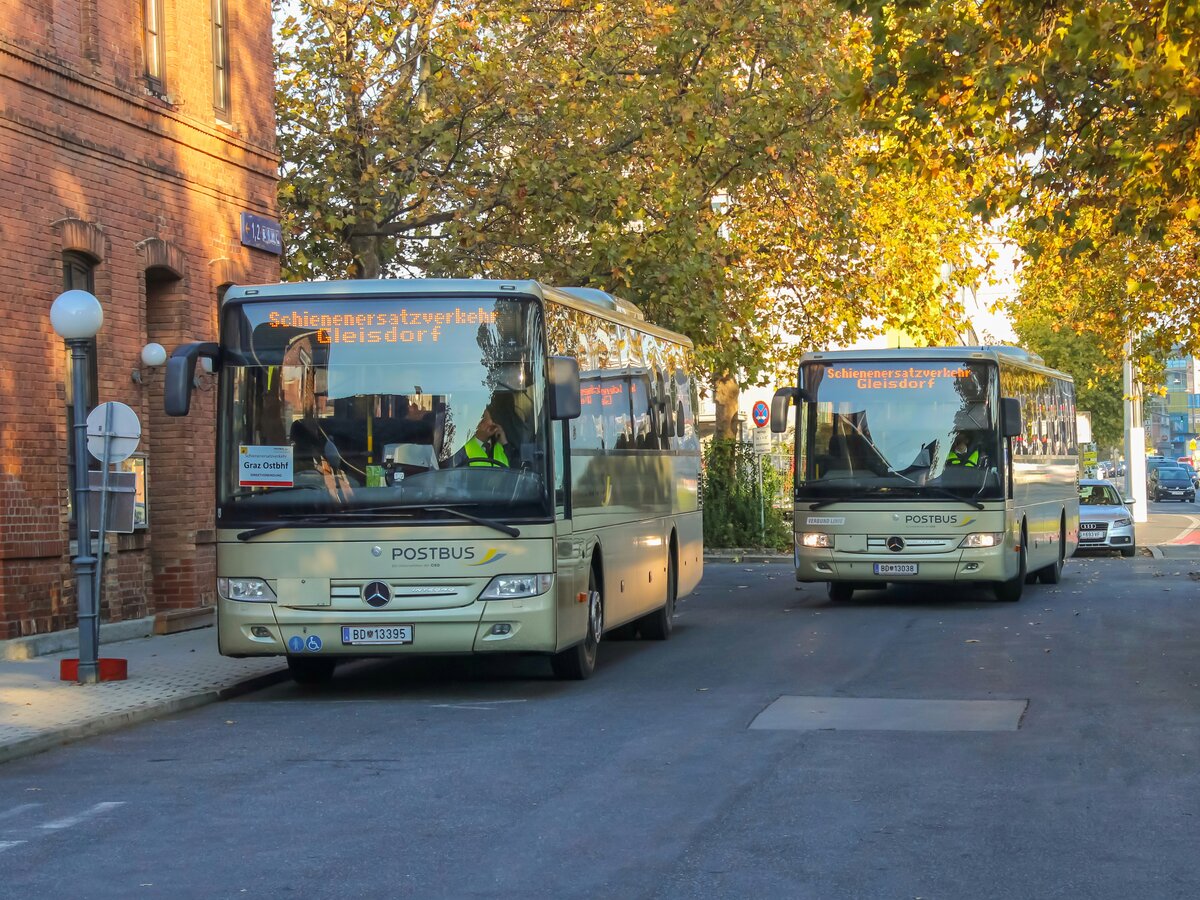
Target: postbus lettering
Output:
[(930, 519), (430, 554)]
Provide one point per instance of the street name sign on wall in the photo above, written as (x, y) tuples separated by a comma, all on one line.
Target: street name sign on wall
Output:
[(262, 233)]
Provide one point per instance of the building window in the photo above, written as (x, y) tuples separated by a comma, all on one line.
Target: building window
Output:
[(154, 46), (79, 274), (220, 50)]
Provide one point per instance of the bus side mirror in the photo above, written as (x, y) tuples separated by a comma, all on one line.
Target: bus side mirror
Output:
[(1010, 417), (181, 369), (779, 408), (564, 388)]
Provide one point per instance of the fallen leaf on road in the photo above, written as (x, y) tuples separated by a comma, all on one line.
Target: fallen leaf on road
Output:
[(971, 641)]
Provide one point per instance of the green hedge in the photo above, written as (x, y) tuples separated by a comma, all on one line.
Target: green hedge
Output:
[(738, 489)]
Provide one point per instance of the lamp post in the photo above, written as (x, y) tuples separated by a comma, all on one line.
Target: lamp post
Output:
[(1135, 438), (76, 316)]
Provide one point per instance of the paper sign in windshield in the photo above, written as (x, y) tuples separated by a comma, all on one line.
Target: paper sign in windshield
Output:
[(905, 378), (261, 466)]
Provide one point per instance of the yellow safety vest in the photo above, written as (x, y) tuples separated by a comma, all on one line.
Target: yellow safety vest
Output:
[(477, 454), (957, 459)]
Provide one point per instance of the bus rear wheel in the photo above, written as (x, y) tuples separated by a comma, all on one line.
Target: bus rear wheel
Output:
[(579, 662), (311, 670), (1052, 574), (658, 625)]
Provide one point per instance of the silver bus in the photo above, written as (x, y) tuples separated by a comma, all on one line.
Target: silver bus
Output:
[(953, 464), (446, 467)]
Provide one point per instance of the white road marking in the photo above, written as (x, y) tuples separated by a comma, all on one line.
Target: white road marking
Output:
[(1195, 523), (474, 704), (72, 821), (8, 845), (17, 810)]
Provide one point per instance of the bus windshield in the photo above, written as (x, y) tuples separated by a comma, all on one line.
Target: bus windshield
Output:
[(899, 429), (370, 407)]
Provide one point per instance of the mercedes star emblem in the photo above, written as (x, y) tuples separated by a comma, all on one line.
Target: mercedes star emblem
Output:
[(377, 594), (895, 544)]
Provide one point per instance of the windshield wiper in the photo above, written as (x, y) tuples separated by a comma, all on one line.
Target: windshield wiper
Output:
[(372, 515), (274, 490), (478, 520), (916, 488)]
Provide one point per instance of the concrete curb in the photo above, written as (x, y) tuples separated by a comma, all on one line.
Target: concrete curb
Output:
[(60, 641), (58, 737), (1156, 551)]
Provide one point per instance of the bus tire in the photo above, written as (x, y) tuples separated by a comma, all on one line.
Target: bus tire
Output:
[(840, 591), (577, 663), (311, 670), (1052, 574), (658, 625), (1010, 591)]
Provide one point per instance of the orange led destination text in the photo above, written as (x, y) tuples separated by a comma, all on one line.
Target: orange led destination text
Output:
[(910, 378), (403, 326)]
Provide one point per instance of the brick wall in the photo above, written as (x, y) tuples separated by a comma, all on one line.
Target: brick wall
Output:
[(151, 189)]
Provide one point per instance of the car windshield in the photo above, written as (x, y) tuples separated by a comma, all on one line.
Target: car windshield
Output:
[(906, 429), (381, 404), (1172, 476), (1098, 495)]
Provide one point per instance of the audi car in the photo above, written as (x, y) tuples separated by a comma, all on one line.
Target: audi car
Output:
[(1105, 521)]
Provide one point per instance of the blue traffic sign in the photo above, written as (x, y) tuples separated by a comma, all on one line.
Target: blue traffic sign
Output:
[(761, 414)]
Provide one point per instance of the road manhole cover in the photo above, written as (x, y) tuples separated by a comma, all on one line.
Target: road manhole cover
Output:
[(883, 714)]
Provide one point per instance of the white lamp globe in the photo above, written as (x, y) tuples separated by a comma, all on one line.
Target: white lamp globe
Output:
[(76, 315), (154, 355)]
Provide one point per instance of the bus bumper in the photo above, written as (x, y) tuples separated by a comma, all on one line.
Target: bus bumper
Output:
[(993, 564), (265, 629)]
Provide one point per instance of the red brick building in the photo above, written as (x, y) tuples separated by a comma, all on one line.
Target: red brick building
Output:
[(134, 135)]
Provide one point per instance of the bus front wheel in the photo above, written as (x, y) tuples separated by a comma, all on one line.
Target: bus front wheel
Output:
[(578, 662), (840, 591), (311, 670), (1010, 591)]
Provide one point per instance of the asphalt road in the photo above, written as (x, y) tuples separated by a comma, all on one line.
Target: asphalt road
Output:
[(462, 779)]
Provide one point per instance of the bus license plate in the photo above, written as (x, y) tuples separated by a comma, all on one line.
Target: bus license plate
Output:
[(895, 568), (377, 634)]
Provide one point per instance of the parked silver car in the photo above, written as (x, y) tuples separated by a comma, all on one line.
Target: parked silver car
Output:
[(1105, 521)]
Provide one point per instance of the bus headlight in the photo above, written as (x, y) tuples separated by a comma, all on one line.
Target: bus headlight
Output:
[(514, 587), (982, 539), (815, 539), (248, 589)]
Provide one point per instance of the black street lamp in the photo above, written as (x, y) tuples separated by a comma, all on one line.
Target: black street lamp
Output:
[(76, 316)]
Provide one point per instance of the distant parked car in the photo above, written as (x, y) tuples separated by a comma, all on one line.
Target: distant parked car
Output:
[(1105, 522), (1172, 483), (1191, 470)]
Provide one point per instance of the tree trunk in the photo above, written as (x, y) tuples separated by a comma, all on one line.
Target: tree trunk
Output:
[(365, 251), (726, 393)]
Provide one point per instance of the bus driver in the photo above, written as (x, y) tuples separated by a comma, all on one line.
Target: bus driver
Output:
[(487, 447)]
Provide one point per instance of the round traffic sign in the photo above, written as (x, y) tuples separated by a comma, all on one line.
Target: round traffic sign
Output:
[(761, 413), (115, 424)]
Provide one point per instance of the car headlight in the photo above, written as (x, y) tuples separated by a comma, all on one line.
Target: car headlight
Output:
[(254, 590), (815, 539), (982, 539), (514, 587), (1122, 523)]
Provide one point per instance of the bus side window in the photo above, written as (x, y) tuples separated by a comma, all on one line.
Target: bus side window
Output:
[(560, 489)]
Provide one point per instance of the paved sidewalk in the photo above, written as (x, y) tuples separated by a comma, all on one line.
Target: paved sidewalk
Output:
[(166, 674)]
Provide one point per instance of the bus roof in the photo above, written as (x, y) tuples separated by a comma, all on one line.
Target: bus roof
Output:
[(588, 300), (994, 353)]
